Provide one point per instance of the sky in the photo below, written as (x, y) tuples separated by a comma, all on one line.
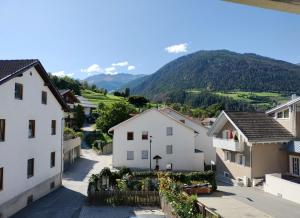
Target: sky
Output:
[(82, 38)]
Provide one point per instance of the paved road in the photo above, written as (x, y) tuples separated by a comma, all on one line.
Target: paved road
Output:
[(232, 201), (67, 201)]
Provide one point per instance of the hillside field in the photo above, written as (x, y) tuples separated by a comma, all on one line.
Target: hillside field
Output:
[(96, 98)]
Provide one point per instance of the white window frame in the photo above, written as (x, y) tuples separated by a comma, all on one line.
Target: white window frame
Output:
[(169, 146), (283, 116), (128, 155), (144, 154)]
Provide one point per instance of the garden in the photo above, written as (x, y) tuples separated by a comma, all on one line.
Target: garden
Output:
[(170, 190)]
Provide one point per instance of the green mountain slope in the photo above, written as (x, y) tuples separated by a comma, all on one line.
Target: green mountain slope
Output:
[(220, 70)]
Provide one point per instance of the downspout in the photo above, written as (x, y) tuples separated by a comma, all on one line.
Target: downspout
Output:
[(62, 149)]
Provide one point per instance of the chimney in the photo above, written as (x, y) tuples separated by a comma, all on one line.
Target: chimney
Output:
[(294, 96)]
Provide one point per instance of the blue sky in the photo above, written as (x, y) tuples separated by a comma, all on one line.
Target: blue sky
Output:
[(81, 38)]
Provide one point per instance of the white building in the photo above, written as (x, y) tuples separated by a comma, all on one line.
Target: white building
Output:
[(172, 142), (31, 121)]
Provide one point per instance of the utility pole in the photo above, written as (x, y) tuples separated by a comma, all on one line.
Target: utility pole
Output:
[(150, 153)]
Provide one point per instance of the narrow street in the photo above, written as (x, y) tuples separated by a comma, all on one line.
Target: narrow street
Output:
[(68, 200)]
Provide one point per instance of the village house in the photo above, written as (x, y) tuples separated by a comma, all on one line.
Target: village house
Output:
[(31, 123), (71, 100), (164, 138)]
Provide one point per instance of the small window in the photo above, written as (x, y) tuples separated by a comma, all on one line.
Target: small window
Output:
[(286, 113), (52, 185), (130, 155), (31, 128), (52, 160), (226, 174), (169, 131), (53, 127), (240, 159), (129, 135), (144, 135), (169, 149), (144, 154), (232, 157), (44, 97), (1, 179), (2, 130), (227, 155), (183, 121), (280, 114), (29, 199), (30, 168), (18, 91)]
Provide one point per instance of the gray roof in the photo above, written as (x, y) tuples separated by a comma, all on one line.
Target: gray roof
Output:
[(84, 102), (259, 126), (64, 91), (10, 69)]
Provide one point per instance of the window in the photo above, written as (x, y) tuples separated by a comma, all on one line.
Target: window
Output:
[(129, 135), (18, 91), (144, 135), (30, 168), (280, 115), (29, 199), (232, 157), (286, 113), (44, 97), (53, 127), (227, 155), (144, 154), (169, 149), (2, 130), (1, 178), (52, 159), (226, 174), (183, 121), (52, 185), (130, 155), (31, 132), (240, 159), (169, 131)]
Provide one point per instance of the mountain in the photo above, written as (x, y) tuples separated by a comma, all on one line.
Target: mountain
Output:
[(220, 70), (112, 82)]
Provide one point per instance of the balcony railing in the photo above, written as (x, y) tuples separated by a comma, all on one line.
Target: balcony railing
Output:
[(228, 144)]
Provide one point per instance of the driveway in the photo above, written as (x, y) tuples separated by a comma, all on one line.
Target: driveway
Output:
[(233, 201), (68, 200)]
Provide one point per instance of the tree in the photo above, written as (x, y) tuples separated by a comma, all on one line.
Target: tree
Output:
[(126, 92), (79, 116), (114, 115), (138, 101)]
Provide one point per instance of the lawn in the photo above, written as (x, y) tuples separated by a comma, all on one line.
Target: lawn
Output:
[(96, 98)]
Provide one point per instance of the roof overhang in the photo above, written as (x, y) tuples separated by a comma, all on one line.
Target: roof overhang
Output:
[(282, 106), (290, 6)]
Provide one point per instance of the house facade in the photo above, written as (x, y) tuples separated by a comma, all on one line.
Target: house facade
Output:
[(71, 100), (156, 137), (248, 146), (31, 122), (202, 140)]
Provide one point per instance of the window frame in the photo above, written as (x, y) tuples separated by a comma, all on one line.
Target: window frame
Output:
[(169, 133), (31, 123), (145, 135), (52, 159), (169, 146), (44, 97), (30, 170), (143, 155), (130, 138), (19, 91), (53, 127), (131, 152), (2, 130)]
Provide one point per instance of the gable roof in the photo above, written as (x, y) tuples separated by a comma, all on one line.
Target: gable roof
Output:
[(10, 69), (146, 111), (282, 106), (255, 126)]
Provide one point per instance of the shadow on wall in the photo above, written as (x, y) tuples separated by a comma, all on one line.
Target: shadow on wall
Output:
[(82, 166), (62, 202)]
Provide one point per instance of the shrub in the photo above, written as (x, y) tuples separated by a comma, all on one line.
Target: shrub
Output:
[(125, 170)]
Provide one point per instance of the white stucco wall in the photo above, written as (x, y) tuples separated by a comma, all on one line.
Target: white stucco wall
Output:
[(182, 140), (17, 147), (203, 141)]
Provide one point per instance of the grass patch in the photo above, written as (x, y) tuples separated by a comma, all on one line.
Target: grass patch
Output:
[(96, 98)]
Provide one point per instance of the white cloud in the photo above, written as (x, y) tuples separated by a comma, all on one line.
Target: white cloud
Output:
[(94, 68), (131, 67), (179, 48), (120, 64), (62, 74), (111, 73), (109, 69)]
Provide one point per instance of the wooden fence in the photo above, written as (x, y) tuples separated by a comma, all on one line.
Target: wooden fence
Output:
[(130, 198)]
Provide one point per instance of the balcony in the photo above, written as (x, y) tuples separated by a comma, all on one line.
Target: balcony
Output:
[(228, 144)]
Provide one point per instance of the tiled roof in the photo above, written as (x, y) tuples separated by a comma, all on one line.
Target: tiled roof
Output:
[(12, 68), (259, 126)]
